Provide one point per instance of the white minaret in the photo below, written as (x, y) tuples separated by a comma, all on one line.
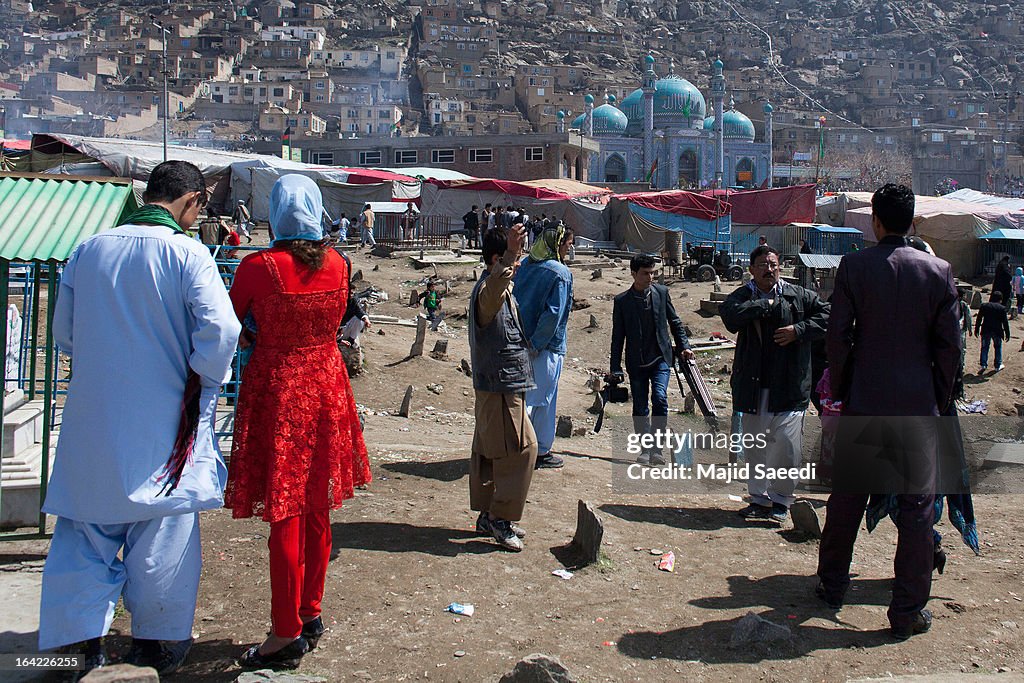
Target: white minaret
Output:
[(650, 78), (588, 116), (768, 140), (718, 95)]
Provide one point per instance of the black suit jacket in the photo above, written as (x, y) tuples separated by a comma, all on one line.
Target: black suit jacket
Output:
[(893, 338), (626, 328)]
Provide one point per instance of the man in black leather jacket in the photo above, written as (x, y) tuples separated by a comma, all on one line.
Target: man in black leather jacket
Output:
[(771, 374)]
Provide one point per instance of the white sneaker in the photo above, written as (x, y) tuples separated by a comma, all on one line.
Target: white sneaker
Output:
[(1000, 368)]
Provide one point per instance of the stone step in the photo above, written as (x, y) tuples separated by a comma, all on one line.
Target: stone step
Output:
[(19, 498), (22, 428), (24, 466), (719, 296), (709, 306)]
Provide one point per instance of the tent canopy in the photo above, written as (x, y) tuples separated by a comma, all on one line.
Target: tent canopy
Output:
[(828, 229), (551, 188), (680, 202), (778, 206), (1004, 234)]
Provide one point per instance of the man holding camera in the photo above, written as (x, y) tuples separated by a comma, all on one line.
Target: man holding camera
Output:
[(648, 310), (771, 374)]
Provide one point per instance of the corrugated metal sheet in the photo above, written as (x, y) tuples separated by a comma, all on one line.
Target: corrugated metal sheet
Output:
[(820, 260), (43, 218)]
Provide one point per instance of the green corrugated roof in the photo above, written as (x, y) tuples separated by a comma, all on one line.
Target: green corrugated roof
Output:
[(44, 217)]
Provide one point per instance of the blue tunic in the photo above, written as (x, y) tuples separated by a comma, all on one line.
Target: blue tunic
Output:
[(138, 306)]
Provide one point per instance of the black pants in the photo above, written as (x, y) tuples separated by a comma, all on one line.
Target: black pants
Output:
[(914, 551)]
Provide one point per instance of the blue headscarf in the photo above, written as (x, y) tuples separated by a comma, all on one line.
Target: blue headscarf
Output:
[(296, 206)]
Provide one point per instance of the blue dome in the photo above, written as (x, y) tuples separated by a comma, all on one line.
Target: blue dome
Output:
[(735, 125), (677, 104), (608, 120)]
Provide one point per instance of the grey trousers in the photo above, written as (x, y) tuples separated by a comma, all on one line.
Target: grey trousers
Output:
[(784, 435)]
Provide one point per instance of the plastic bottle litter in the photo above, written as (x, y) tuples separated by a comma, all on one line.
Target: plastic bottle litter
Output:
[(562, 574), (459, 608), (667, 563)]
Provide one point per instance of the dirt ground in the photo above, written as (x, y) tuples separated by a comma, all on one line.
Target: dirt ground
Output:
[(405, 546)]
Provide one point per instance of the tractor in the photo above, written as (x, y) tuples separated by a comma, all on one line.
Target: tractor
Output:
[(705, 261)]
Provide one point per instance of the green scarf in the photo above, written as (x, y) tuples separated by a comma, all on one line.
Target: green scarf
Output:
[(546, 246), (151, 214)]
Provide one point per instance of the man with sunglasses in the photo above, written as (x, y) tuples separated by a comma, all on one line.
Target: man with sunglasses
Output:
[(776, 323), (150, 330)]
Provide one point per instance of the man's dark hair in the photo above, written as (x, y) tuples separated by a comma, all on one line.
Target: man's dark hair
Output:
[(641, 261), (996, 298), (763, 250), (893, 205), (474, 208), (172, 180), (495, 244)]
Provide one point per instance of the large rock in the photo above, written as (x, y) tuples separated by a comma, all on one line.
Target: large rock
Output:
[(264, 675), (563, 428), (122, 673), (421, 335), (753, 630), (440, 351), (406, 402), (805, 518), (538, 668), (589, 533)]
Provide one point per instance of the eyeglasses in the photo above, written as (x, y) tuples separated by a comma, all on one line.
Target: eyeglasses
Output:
[(767, 266)]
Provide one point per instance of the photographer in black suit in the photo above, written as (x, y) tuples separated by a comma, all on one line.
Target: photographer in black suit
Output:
[(641, 319)]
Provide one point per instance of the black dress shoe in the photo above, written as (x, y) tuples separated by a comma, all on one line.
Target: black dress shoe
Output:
[(166, 656), (832, 601), (939, 560), (92, 656), (312, 630), (288, 657), (921, 623)]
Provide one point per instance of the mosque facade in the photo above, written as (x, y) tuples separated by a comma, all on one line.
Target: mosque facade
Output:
[(663, 132)]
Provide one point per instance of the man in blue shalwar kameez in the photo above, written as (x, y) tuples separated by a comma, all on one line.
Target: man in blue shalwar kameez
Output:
[(150, 330)]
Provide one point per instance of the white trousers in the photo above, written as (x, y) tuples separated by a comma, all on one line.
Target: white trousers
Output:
[(157, 574), (784, 435)]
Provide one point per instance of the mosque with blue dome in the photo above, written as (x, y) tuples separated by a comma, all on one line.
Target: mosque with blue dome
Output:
[(664, 132)]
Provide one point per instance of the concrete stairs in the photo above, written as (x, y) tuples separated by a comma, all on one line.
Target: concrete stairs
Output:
[(21, 456)]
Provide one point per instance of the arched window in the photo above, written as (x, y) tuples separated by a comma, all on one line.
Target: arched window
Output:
[(615, 169), (745, 172), (688, 169)]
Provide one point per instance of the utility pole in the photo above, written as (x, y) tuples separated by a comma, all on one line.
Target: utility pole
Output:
[(163, 35)]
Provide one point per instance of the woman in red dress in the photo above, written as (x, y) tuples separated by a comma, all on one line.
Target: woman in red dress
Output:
[(298, 448)]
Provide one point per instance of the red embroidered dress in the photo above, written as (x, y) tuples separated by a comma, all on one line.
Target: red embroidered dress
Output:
[(297, 446)]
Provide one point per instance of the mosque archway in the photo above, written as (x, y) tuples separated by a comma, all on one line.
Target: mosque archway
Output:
[(745, 172), (566, 167), (688, 169), (615, 169)]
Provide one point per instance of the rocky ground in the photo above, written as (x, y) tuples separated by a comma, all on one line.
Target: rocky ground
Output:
[(405, 546)]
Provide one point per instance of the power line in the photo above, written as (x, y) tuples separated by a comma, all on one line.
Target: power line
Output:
[(771, 61)]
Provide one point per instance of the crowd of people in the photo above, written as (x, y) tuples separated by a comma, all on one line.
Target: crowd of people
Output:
[(137, 460)]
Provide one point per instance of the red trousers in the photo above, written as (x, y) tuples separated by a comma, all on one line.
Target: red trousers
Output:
[(300, 548)]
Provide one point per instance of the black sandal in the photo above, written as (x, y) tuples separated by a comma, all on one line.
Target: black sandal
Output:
[(288, 657)]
